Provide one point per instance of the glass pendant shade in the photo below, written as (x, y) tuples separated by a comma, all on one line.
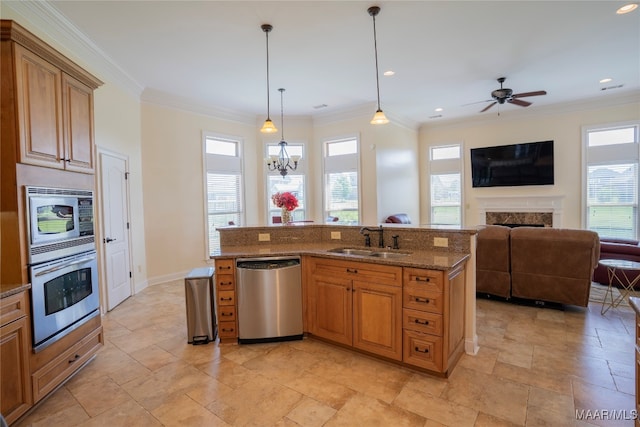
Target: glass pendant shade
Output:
[(379, 118), (268, 127)]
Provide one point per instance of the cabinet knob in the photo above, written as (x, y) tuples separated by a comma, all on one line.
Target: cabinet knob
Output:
[(423, 279), (352, 270), (76, 357)]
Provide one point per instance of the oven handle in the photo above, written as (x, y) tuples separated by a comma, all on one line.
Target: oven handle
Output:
[(68, 264)]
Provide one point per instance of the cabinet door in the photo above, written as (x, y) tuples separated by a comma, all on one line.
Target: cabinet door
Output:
[(377, 319), (39, 102), (77, 106), (332, 317), (15, 385)]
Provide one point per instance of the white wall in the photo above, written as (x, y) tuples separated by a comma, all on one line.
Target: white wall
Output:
[(562, 127)]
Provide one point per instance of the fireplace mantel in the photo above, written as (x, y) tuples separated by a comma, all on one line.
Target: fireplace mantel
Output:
[(551, 204)]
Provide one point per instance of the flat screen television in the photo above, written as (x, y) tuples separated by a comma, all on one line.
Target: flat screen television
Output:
[(513, 165)]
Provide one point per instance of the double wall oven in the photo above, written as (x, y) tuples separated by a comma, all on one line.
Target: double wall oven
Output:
[(62, 261)]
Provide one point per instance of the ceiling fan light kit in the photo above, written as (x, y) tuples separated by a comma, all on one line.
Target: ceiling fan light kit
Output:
[(268, 126)]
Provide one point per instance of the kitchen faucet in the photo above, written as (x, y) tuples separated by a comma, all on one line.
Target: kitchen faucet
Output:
[(377, 230)]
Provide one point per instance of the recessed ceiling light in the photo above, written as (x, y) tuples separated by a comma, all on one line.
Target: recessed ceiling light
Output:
[(607, 80), (439, 109), (627, 8), (389, 73)]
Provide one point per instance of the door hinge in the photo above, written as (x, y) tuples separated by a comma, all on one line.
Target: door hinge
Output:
[(126, 175), (127, 226), (130, 275)]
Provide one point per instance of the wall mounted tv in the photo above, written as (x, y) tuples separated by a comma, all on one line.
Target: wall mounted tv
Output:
[(513, 165)]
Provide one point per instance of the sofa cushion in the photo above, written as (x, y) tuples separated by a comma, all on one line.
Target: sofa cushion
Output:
[(551, 264), (493, 261)]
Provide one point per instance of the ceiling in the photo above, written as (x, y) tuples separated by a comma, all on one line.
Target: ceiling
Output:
[(445, 54)]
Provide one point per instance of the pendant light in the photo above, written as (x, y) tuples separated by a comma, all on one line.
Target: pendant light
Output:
[(268, 126), (282, 162), (378, 118)]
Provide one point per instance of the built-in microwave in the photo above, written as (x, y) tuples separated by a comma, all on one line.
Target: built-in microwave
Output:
[(60, 222)]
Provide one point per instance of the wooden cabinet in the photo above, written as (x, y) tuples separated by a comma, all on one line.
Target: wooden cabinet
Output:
[(433, 318), (226, 300), (357, 304), (53, 106), (15, 344)]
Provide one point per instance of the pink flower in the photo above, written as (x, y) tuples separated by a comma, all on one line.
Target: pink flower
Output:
[(285, 200)]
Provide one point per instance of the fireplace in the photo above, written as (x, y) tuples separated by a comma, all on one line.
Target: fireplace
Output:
[(541, 211)]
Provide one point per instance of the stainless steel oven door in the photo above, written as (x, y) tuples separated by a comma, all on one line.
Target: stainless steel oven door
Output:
[(64, 295)]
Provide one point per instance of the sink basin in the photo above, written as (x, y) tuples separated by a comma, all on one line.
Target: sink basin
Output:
[(352, 251), (388, 254)]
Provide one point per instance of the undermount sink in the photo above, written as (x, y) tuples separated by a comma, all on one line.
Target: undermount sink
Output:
[(352, 251), (367, 252), (389, 254)]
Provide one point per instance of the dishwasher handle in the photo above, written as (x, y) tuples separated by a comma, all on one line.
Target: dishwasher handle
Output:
[(267, 263)]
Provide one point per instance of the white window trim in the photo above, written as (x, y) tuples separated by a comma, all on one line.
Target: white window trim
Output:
[(605, 155), (325, 169), (444, 166), (205, 195)]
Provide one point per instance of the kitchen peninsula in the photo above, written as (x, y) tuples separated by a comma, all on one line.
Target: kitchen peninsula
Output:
[(414, 305)]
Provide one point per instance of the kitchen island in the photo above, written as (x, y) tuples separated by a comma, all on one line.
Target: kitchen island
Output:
[(413, 305)]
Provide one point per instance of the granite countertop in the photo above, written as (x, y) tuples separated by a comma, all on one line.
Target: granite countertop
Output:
[(435, 260), (12, 289), (635, 303)]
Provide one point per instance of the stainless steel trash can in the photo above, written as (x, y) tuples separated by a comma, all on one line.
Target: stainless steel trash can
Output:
[(201, 315)]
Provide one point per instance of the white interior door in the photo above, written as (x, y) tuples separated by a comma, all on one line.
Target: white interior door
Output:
[(115, 233)]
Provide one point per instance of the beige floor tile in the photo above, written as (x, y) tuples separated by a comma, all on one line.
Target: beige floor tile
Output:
[(485, 393), (536, 366), (311, 413)]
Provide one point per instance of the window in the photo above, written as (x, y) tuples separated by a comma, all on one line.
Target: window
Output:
[(445, 178), (294, 182), (341, 189), (611, 184), (223, 165)]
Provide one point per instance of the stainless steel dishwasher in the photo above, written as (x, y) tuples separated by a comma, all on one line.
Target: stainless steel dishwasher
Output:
[(269, 299)]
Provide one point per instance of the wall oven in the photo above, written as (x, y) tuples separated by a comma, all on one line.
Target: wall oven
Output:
[(63, 264), (64, 295)]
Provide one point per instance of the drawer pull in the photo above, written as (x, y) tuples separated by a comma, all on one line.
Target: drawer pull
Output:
[(423, 300), (227, 330), (426, 350), (76, 357), (225, 314), (226, 283), (423, 279), (226, 299), (352, 270), (224, 267), (421, 322)]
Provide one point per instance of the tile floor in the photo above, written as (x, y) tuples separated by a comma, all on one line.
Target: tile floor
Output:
[(536, 367)]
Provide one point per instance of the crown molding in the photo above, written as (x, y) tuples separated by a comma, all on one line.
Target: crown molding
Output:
[(363, 111), (44, 20)]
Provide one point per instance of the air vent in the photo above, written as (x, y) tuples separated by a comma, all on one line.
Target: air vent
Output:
[(319, 106), (435, 117), (611, 87)]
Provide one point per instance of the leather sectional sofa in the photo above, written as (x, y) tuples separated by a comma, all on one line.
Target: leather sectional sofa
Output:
[(541, 264), (617, 249)]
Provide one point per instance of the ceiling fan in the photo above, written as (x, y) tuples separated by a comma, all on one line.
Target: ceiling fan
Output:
[(502, 95)]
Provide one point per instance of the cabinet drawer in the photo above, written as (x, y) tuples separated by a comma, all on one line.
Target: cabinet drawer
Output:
[(227, 298), (224, 266), (424, 279), (227, 313), (422, 350), (354, 270), (422, 321), (225, 282), (55, 372), (421, 299), (13, 308), (227, 330)]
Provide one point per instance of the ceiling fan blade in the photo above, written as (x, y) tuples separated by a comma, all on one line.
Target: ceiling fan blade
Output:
[(478, 102), (488, 106), (522, 95), (519, 102)]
